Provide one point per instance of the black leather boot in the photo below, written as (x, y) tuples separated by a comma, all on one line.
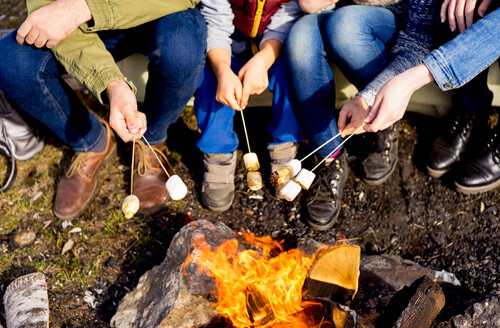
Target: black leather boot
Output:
[(448, 147), (324, 197), (482, 172), (379, 165)]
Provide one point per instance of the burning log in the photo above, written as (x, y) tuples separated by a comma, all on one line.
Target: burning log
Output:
[(417, 306), (259, 310), (335, 274), (26, 302)]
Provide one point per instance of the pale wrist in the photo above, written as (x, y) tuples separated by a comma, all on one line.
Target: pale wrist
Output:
[(419, 76), (83, 10)]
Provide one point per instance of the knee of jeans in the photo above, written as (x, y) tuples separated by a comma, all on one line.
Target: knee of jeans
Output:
[(300, 45), (344, 26)]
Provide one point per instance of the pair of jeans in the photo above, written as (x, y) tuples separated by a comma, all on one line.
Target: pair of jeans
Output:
[(215, 120), (458, 61), (175, 46), (357, 39)]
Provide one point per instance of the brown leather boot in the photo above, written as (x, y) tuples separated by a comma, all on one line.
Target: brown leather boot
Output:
[(149, 177), (78, 186)]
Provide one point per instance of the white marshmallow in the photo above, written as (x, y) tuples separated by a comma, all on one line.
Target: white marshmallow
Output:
[(296, 166), (254, 180), (290, 190), (176, 187), (305, 178), (251, 161), (130, 206)]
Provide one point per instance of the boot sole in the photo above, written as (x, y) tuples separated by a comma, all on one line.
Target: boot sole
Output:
[(476, 190), (375, 182), (436, 173), (94, 192), (324, 227)]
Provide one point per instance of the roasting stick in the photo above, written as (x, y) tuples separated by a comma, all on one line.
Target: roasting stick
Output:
[(338, 147), (324, 144), (245, 129), (132, 169), (154, 153)]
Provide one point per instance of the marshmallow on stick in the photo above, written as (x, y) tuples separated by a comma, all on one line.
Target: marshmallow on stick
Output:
[(130, 206)]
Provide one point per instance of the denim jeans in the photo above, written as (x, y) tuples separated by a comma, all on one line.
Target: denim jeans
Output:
[(357, 39), (215, 120), (175, 47), (458, 61)]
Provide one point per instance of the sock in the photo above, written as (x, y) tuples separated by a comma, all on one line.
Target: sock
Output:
[(103, 143), (330, 159)]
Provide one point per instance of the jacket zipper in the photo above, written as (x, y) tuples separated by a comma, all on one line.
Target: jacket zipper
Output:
[(257, 18)]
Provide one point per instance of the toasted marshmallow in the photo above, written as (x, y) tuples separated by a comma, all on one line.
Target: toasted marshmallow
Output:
[(130, 206), (280, 177), (305, 178), (254, 180), (251, 161), (290, 190)]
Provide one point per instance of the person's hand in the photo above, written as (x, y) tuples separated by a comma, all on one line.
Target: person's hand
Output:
[(392, 99), (229, 89), (254, 79), (124, 117), (52, 23), (354, 112), (461, 12)]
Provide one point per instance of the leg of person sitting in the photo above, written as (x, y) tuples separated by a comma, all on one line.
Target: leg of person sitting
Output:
[(467, 121), (284, 127), (217, 141), (359, 41), (31, 78), (175, 46), (314, 99)]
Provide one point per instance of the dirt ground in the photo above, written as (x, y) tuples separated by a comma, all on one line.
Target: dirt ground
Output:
[(412, 215)]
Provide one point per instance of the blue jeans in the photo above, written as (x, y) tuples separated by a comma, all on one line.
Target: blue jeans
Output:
[(358, 39), (175, 47), (215, 120), (458, 61)]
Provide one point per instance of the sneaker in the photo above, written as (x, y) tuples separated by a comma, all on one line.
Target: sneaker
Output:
[(324, 197), (78, 186), (217, 190), (482, 172), (281, 154), (448, 147), (379, 165)]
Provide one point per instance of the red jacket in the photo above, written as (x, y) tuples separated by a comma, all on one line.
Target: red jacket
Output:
[(252, 16)]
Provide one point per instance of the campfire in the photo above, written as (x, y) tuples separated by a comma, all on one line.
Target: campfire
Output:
[(266, 286)]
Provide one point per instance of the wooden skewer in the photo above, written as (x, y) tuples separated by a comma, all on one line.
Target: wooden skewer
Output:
[(338, 147), (154, 153), (324, 144), (132, 169), (245, 129)]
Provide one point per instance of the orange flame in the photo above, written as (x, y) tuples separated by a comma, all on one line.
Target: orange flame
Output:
[(254, 288)]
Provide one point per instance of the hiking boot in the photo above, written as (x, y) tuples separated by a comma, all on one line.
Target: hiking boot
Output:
[(281, 154), (149, 176), (324, 197), (78, 185), (379, 165), (448, 147), (217, 190), (482, 172)]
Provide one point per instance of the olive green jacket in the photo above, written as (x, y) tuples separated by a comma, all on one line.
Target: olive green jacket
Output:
[(84, 55)]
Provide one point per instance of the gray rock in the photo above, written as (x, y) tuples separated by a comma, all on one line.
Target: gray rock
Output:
[(167, 297), (480, 315)]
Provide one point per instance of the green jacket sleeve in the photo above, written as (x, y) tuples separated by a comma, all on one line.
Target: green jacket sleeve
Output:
[(84, 55)]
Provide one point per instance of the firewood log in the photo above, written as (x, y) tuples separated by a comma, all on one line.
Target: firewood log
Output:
[(26, 302)]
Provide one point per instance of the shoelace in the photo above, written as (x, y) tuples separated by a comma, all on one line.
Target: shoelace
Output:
[(464, 120), (328, 179), (76, 164), (493, 144), (143, 162)]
